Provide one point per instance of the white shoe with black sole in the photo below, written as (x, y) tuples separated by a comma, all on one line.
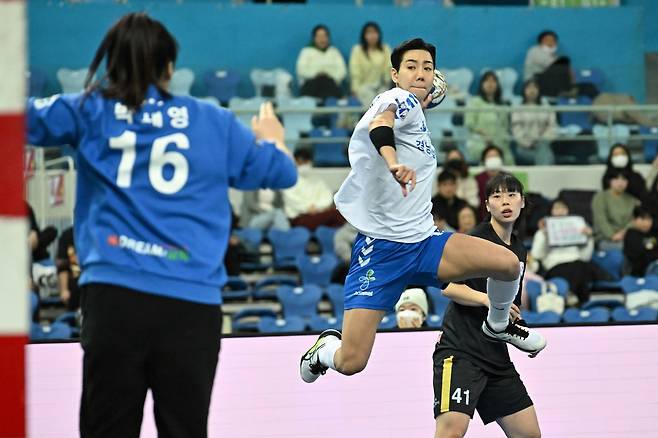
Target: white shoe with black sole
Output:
[(519, 335), (310, 367)]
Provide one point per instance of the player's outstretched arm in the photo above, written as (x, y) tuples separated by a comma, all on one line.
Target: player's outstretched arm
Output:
[(266, 126), (382, 137)]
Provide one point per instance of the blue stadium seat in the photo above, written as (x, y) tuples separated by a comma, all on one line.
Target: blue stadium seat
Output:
[(579, 118), (336, 294), (459, 78), (652, 269), (236, 288), (593, 76), (245, 109), (181, 82), (325, 236), (612, 262), (222, 84), (288, 245), (349, 102), (319, 323), (607, 137), (72, 81), (301, 301), (439, 302), (595, 314), (268, 324), (435, 321), (650, 146), (251, 237), (438, 122), (329, 154), (388, 322), (316, 269), (271, 83), (635, 284), (646, 314), (265, 288), (299, 121), (55, 331), (537, 318), (246, 320), (610, 303)]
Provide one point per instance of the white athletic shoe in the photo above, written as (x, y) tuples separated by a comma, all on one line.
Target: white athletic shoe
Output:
[(310, 367), (519, 335)]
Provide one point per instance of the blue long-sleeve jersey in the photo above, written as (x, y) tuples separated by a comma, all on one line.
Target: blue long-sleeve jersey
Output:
[(152, 211)]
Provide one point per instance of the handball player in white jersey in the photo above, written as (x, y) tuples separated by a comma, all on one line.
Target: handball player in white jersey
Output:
[(387, 198)]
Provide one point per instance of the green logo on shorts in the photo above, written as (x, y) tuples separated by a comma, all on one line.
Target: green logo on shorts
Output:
[(366, 279)]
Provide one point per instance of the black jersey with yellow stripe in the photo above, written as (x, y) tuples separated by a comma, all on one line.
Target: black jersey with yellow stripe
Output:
[(462, 325)]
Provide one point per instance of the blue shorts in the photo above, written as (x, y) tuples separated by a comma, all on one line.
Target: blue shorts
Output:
[(381, 269)]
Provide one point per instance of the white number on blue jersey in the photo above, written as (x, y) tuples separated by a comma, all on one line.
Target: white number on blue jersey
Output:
[(127, 143)]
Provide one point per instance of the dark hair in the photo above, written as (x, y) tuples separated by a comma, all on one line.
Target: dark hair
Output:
[(446, 175), (640, 211), (491, 147), (546, 33), (497, 95), (611, 174), (509, 183), (525, 85), (316, 29), (414, 44), (303, 154), (364, 43), (457, 166), (654, 186), (137, 52)]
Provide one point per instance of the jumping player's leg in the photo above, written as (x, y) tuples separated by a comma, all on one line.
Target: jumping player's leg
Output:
[(522, 424), (359, 330), (471, 257)]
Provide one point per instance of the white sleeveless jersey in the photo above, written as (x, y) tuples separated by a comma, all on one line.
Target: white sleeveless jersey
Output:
[(370, 198)]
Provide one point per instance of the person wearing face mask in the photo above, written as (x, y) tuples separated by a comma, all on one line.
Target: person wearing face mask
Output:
[(321, 68), (620, 158), (571, 262), (552, 72), (612, 210), (467, 188), (492, 160), (411, 309), (310, 203)]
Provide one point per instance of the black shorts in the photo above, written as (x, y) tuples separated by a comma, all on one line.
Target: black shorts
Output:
[(462, 386)]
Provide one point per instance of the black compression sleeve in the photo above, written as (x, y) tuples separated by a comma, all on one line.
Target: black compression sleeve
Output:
[(382, 136)]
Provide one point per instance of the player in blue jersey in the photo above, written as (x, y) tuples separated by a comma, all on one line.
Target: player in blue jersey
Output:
[(152, 221), (387, 198)]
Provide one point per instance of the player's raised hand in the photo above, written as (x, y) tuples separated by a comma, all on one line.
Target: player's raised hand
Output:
[(266, 126), (405, 176)]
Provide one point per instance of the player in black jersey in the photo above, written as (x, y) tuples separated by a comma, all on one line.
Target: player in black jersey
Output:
[(471, 371)]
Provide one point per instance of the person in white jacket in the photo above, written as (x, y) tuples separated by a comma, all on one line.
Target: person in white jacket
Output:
[(321, 68), (570, 262)]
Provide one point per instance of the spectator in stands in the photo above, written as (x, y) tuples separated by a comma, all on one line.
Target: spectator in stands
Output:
[(651, 203), (552, 72), (38, 239), (612, 211), (370, 64), (492, 159), (570, 262), (640, 242), (320, 66), (310, 202), (68, 270), (619, 158), (533, 130), (487, 127), (412, 308), (447, 199), (263, 209), (467, 188), (439, 214), (466, 219)]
